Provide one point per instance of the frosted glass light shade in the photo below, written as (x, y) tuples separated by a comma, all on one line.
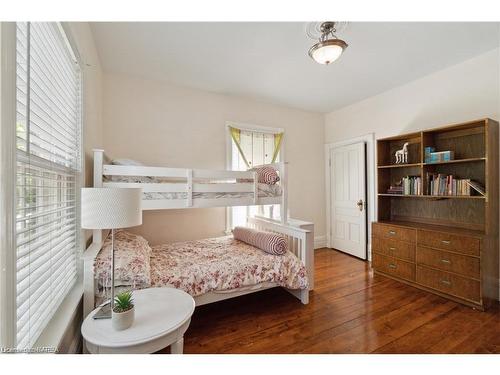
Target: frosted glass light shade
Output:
[(328, 51), (111, 208)]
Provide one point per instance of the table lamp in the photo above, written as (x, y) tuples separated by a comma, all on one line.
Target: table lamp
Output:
[(111, 208)]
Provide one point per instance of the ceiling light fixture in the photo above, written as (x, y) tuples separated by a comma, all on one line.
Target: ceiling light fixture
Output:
[(329, 47)]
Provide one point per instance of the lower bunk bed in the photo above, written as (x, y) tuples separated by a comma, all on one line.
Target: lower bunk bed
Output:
[(210, 270)]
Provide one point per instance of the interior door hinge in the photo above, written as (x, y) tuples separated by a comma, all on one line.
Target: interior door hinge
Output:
[(329, 162)]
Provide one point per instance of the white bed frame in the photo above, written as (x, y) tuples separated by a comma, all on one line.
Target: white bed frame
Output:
[(300, 240)]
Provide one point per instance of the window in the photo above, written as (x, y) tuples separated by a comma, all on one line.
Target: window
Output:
[(48, 129), (258, 146)]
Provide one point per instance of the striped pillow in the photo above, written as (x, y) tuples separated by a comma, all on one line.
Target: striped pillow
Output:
[(266, 175), (271, 243)]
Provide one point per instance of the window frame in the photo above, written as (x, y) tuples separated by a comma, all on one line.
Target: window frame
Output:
[(229, 154), (8, 172), (53, 333)]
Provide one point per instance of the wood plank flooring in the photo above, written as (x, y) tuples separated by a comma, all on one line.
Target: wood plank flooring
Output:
[(350, 311)]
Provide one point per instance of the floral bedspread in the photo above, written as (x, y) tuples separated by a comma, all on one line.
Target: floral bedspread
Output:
[(222, 263)]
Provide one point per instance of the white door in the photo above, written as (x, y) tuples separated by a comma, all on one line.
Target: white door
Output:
[(348, 199)]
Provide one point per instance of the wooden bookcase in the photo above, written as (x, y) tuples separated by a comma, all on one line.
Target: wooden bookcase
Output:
[(475, 147)]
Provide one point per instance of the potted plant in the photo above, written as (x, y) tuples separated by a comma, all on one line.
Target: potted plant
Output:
[(122, 315)]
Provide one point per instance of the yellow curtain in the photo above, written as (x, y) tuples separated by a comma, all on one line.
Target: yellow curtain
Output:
[(277, 145), (236, 136)]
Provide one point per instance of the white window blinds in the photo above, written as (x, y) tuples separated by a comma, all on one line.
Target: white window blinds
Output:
[(48, 168)]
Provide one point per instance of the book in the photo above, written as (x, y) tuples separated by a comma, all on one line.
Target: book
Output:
[(442, 185), (412, 185), (477, 187), (398, 190)]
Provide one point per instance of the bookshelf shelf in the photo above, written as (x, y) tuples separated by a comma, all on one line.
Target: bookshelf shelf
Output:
[(433, 197), (400, 195), (457, 161), (400, 165)]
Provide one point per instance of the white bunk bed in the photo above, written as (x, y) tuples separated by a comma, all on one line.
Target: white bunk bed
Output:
[(174, 188)]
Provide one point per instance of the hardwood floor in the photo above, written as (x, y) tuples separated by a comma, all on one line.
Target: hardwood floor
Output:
[(350, 311)]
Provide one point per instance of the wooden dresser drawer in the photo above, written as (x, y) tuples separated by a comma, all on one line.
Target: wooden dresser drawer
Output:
[(394, 248), (446, 261), (451, 242), (394, 232), (394, 267), (449, 283)]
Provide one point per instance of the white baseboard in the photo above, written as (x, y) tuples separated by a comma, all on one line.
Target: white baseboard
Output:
[(319, 242)]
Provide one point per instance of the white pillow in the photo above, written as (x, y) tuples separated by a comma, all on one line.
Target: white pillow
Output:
[(126, 162)]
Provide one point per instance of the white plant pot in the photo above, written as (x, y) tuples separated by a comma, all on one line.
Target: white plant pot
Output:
[(123, 320)]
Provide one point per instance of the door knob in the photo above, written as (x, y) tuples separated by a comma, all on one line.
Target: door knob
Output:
[(360, 204)]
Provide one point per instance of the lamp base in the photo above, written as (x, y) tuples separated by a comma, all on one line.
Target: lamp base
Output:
[(104, 312)]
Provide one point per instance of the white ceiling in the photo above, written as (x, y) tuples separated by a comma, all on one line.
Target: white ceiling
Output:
[(269, 61)]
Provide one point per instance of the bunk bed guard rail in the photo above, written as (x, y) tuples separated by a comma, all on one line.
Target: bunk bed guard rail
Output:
[(227, 188)]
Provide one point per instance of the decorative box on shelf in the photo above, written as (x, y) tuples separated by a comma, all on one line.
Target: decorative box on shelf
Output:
[(439, 157)]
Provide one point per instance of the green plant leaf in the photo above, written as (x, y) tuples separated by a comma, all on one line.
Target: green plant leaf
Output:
[(123, 301)]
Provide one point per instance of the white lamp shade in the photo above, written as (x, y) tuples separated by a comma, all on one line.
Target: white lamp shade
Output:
[(111, 208)]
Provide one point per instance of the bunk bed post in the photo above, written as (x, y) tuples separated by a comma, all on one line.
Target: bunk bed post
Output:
[(284, 193), (307, 249), (308, 257)]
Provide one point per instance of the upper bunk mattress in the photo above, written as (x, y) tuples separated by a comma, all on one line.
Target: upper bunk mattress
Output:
[(264, 190), (222, 264)]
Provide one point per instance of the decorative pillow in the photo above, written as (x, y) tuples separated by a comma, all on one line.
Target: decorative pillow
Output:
[(265, 175), (132, 261), (271, 243)]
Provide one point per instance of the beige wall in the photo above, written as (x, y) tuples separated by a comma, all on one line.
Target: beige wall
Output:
[(164, 125), (462, 92)]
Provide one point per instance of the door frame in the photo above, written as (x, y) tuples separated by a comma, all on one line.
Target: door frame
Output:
[(371, 206)]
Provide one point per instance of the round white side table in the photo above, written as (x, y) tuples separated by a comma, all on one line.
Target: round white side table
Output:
[(162, 316)]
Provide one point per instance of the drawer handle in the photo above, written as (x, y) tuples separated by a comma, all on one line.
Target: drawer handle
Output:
[(446, 242), (446, 261), (392, 265), (392, 248), (392, 233), (446, 282)]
